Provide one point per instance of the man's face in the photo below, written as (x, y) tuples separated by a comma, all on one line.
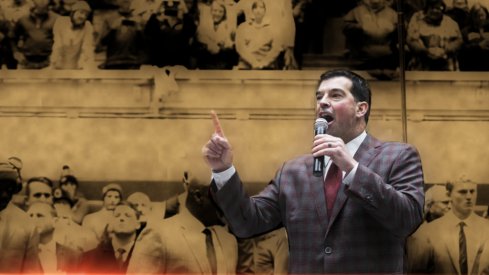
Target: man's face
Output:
[(463, 196), (124, 220), (79, 17), (111, 199), (39, 192), (336, 104), (141, 203), (41, 214), (440, 207)]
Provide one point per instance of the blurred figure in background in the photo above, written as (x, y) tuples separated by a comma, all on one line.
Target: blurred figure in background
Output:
[(55, 254), (214, 44), (18, 238), (168, 36), (97, 222), (114, 252), (437, 202), (142, 203), (192, 242), (434, 39), (474, 55), (264, 254), (33, 37), (122, 35), (371, 31), (458, 242), (69, 185), (257, 44), (73, 46), (38, 189)]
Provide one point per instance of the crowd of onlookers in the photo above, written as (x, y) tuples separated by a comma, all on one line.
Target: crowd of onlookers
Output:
[(54, 229), (125, 34), (239, 34), (440, 35)]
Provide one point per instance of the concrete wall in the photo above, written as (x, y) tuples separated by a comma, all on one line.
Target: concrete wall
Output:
[(150, 125)]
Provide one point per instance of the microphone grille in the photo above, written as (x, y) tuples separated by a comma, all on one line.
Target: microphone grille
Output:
[(321, 122)]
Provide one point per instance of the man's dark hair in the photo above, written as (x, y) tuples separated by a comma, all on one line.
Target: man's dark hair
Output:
[(360, 88), (44, 180)]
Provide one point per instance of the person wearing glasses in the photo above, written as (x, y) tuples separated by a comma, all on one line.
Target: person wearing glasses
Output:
[(18, 240)]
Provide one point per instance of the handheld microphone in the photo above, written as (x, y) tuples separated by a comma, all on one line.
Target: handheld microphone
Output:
[(320, 127)]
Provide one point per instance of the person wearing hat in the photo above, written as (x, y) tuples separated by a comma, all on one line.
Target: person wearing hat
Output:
[(68, 184), (18, 240), (97, 222), (73, 39)]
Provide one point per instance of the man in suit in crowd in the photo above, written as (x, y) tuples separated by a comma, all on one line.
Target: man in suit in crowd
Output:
[(191, 242), (354, 220), (114, 252), (458, 242), (18, 238), (57, 252)]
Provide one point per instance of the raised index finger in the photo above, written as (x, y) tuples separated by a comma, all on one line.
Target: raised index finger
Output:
[(217, 125)]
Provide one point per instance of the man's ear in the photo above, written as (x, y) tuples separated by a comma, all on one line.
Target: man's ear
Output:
[(362, 108)]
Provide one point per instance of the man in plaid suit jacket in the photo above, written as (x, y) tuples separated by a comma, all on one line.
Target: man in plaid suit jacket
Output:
[(378, 204)]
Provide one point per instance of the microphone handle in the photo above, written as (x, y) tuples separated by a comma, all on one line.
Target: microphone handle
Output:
[(318, 165)]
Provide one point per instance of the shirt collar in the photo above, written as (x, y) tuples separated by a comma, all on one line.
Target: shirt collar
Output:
[(455, 221)]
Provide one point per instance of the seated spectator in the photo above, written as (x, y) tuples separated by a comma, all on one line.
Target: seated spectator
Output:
[(123, 37), (114, 252), (279, 14), (13, 10), (6, 52), (434, 39), (78, 204), (215, 40), (371, 31), (474, 55), (168, 37), (97, 222), (73, 40), (145, 8), (34, 37), (55, 254), (459, 13), (256, 43)]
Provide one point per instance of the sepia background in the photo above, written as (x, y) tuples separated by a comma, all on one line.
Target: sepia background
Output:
[(143, 128)]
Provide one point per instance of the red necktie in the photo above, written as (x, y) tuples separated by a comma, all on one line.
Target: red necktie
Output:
[(331, 185)]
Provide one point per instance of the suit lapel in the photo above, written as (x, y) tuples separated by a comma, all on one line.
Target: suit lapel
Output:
[(317, 191), (364, 156), (200, 255)]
